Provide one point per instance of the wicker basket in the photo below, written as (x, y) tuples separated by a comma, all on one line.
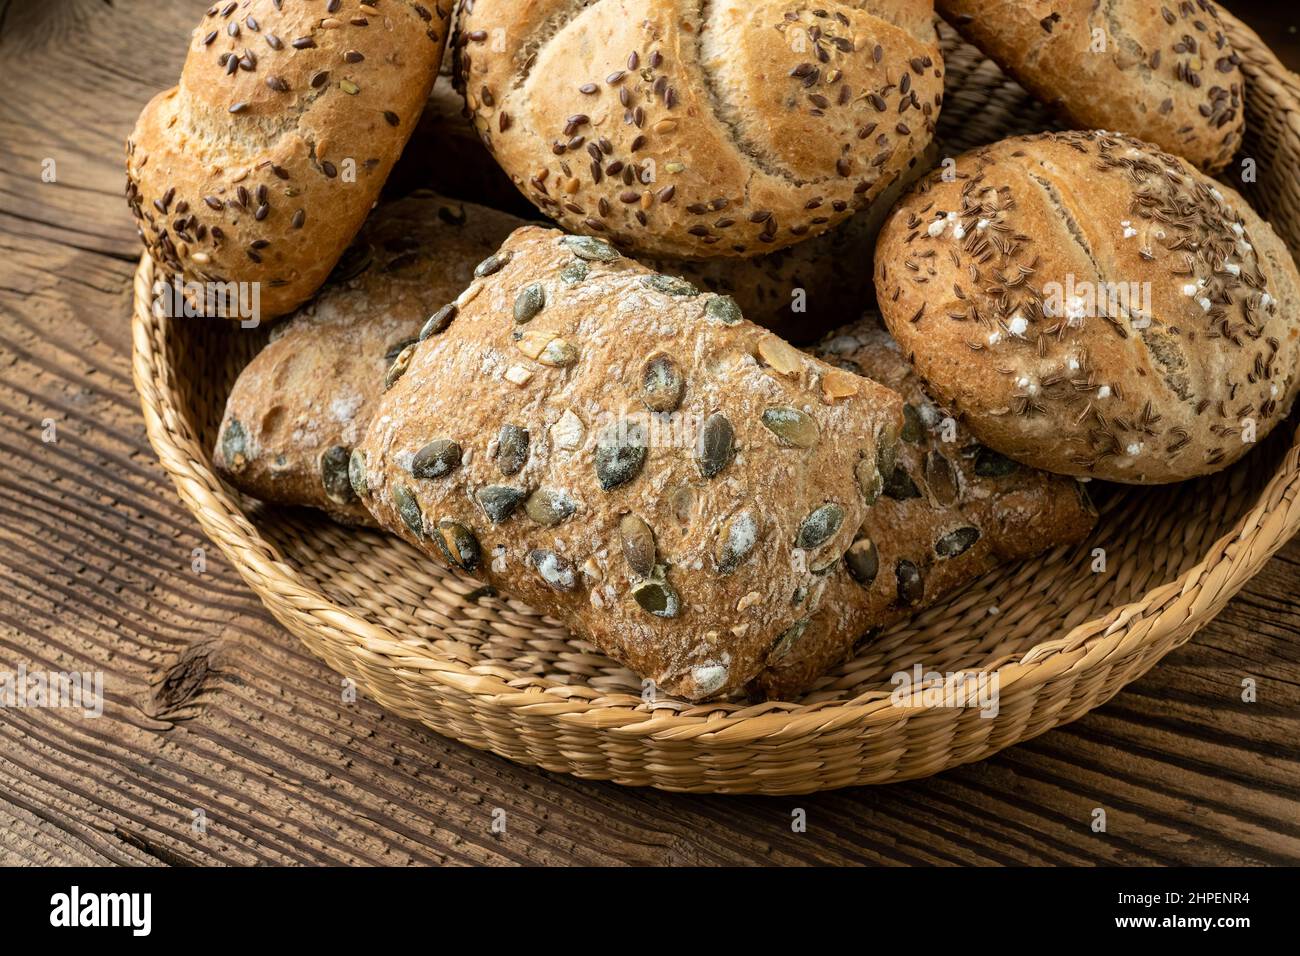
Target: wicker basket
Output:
[(431, 645)]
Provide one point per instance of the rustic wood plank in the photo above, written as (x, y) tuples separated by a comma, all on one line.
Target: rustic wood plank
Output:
[(211, 706)]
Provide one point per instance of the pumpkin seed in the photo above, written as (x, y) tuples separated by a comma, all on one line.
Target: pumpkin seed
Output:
[(820, 526), (491, 265), (591, 248), (787, 639), (724, 309), (438, 458), (439, 321), (529, 302), (499, 501), (736, 541), (549, 508), (956, 542), (408, 509), (357, 473), (620, 454), (911, 586), (793, 427), (886, 455), (662, 384), (669, 285), (234, 446), (399, 367), (657, 596), (863, 561), (991, 464), (558, 353), (334, 462), (512, 449), (913, 426), (396, 349), (458, 544), (555, 570), (941, 477), (869, 480), (575, 272), (717, 445), (638, 545), (900, 486)]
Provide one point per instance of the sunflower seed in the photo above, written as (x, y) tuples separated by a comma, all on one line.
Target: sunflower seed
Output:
[(863, 561), (357, 473), (555, 570), (941, 477), (717, 445), (991, 464), (408, 509), (662, 385), (913, 427), (549, 508), (529, 302), (669, 285), (869, 480), (512, 449), (793, 427), (458, 544), (820, 526), (956, 542), (620, 454), (334, 475), (911, 586), (736, 541), (499, 501), (399, 367), (657, 596), (900, 486), (723, 308), (436, 459), (234, 446), (638, 545), (587, 247)]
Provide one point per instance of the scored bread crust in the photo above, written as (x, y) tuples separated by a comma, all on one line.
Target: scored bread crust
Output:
[(1020, 288), (1167, 73), (265, 173), (700, 129), (750, 481), (952, 511), (303, 402)]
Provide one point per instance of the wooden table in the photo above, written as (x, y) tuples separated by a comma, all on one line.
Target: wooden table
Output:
[(212, 707)]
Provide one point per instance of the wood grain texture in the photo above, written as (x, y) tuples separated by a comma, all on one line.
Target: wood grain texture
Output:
[(211, 706)]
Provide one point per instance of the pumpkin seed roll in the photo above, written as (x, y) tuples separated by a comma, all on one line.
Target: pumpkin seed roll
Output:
[(631, 456), (697, 130)]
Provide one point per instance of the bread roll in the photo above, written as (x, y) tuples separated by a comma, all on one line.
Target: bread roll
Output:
[(630, 456), (1163, 72), (686, 131), (1094, 306), (262, 164), (304, 401), (951, 511)]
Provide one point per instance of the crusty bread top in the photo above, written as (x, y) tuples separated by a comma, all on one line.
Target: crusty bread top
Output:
[(262, 164), (974, 277), (682, 130), (1167, 74)]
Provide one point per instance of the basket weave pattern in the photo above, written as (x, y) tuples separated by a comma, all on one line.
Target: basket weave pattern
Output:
[(429, 644)]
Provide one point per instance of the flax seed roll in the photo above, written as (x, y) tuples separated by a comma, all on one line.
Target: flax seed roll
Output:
[(262, 164), (629, 455), (679, 130), (1094, 306)]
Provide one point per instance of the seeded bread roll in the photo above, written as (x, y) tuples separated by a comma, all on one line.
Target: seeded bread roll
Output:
[(628, 455), (951, 511), (262, 164), (1164, 73), (304, 401), (683, 130), (1094, 306)]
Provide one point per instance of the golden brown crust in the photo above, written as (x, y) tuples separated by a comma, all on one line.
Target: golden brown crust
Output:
[(1166, 73), (1094, 306), (690, 130), (262, 164), (747, 477), (304, 401), (951, 511)]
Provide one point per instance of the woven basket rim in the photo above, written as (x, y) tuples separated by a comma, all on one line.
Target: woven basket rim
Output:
[(1123, 632)]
